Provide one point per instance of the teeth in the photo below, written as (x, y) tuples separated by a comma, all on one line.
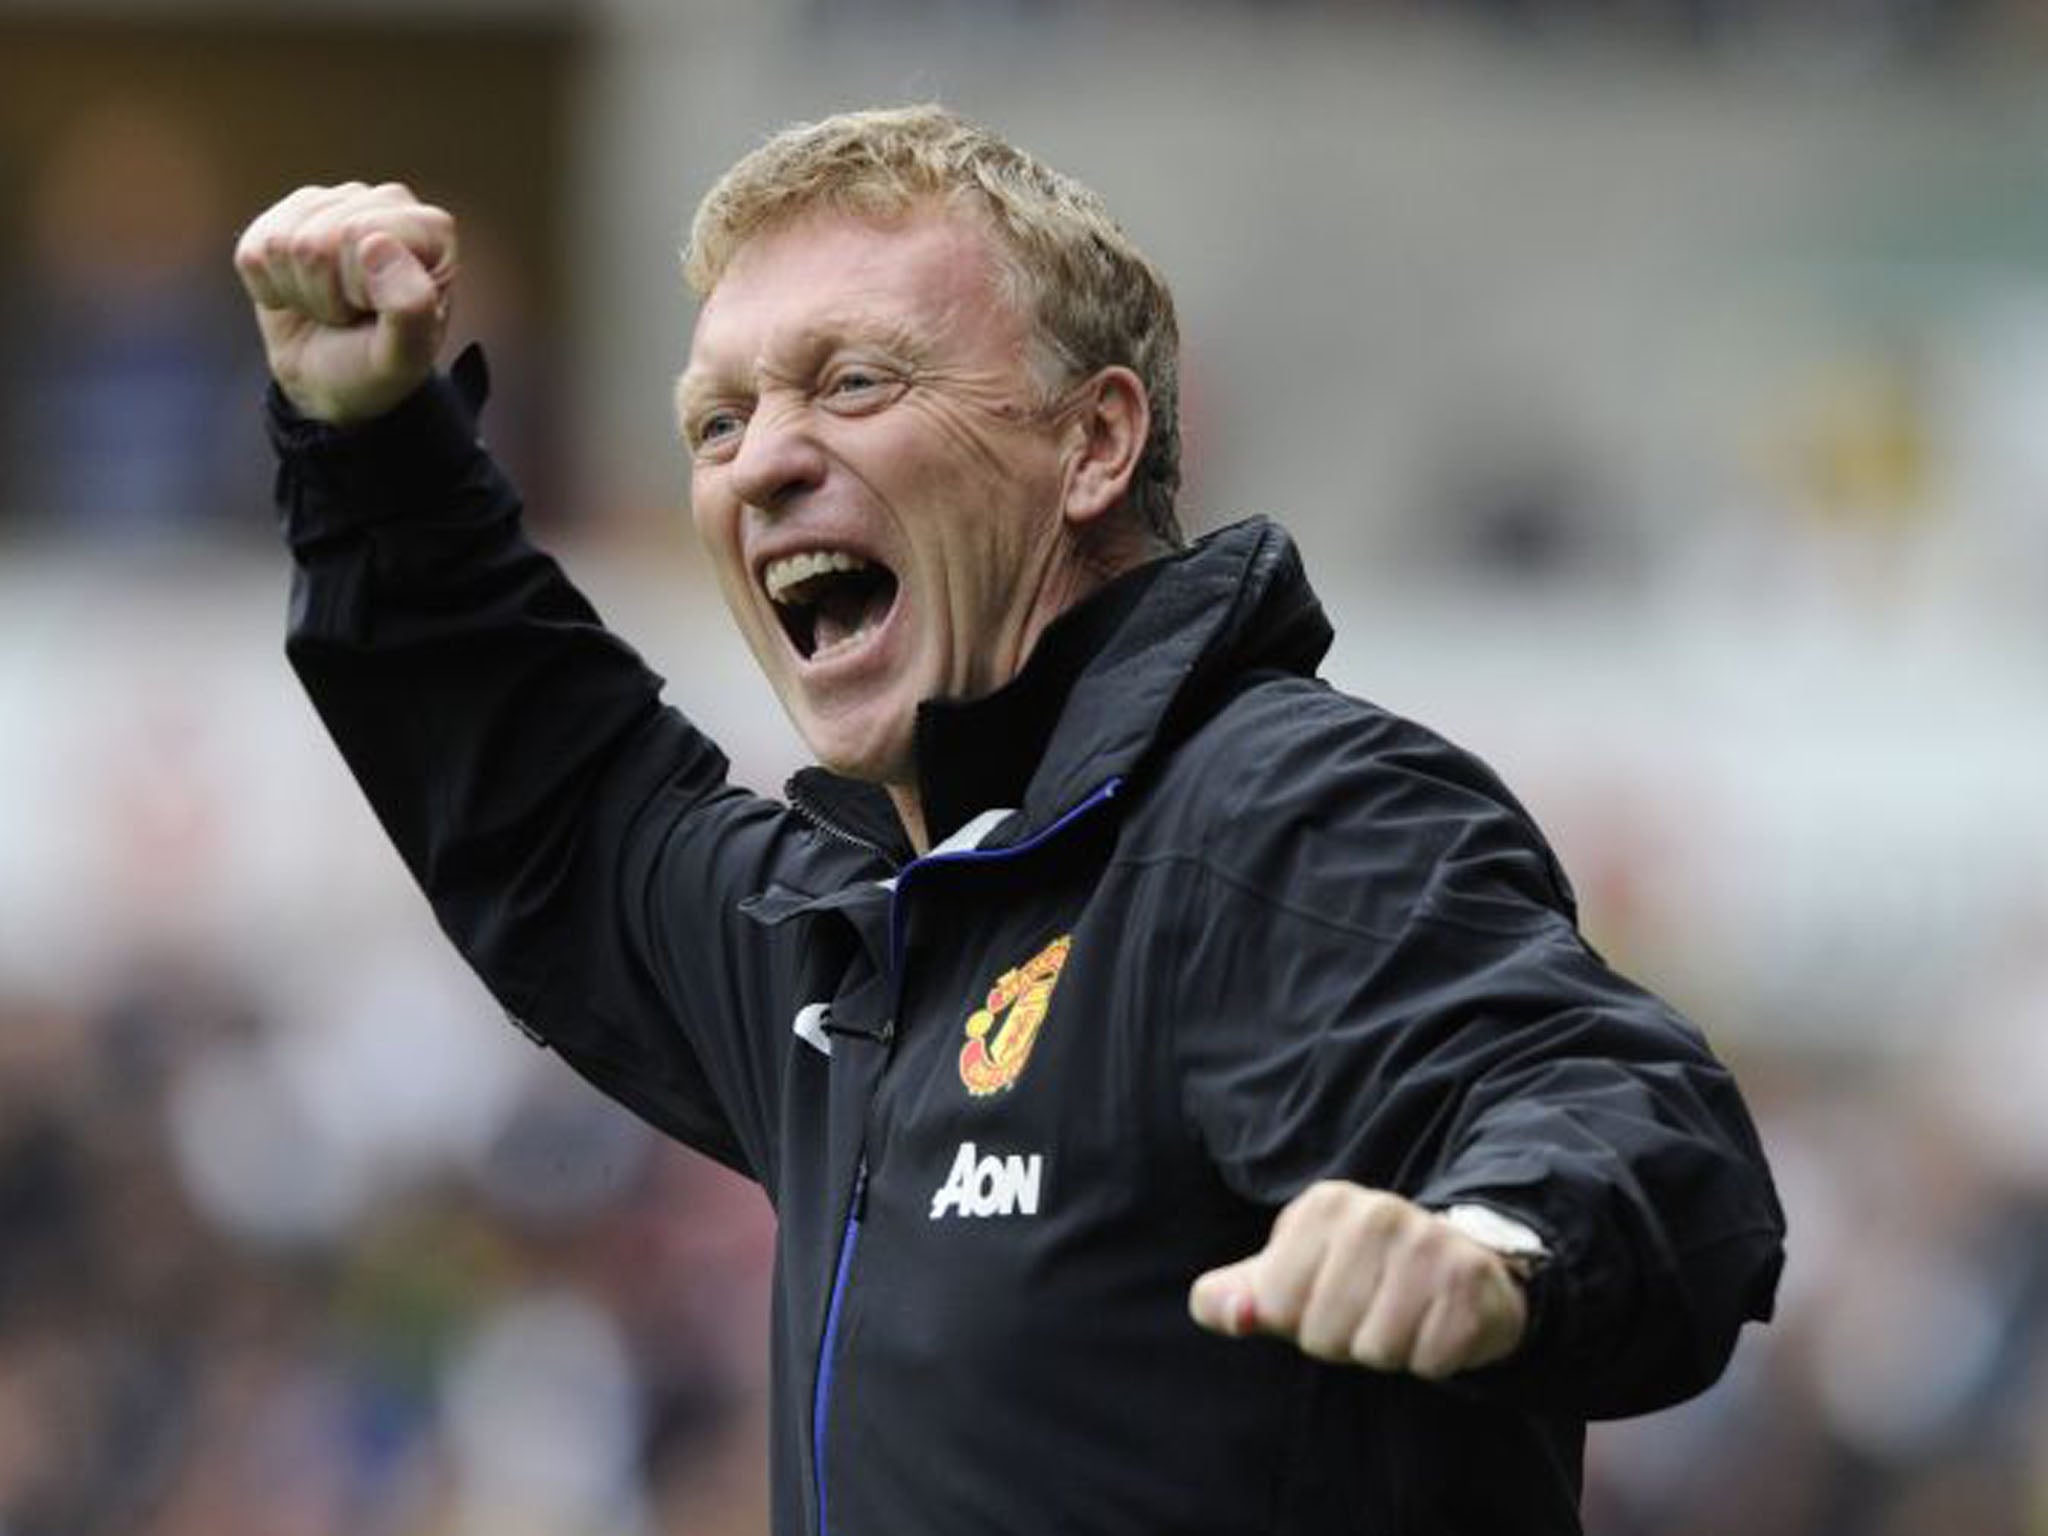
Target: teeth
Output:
[(791, 571)]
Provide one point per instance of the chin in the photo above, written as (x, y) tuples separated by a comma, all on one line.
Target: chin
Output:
[(880, 758)]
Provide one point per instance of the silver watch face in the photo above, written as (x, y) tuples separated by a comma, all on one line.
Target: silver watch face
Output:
[(1503, 1234)]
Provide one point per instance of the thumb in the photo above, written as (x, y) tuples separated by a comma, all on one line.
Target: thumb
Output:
[(393, 278), (405, 299), (1223, 1301)]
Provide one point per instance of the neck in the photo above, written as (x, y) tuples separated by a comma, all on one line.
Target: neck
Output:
[(1090, 558), (1102, 552), (910, 811)]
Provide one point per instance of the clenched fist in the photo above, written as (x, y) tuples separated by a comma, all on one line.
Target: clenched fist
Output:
[(351, 286), (1357, 1275)]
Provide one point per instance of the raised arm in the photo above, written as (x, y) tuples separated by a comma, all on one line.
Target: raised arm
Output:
[(578, 840)]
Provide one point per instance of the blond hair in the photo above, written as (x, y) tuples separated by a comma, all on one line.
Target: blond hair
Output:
[(1093, 299)]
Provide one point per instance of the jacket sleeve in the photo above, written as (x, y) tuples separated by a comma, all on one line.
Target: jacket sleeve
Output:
[(578, 841), (1394, 991)]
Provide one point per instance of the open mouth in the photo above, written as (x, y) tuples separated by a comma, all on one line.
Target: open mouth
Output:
[(828, 598)]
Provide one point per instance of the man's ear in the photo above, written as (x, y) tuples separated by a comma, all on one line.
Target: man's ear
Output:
[(1109, 420)]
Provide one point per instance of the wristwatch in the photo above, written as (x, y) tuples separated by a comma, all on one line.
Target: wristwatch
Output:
[(1520, 1246)]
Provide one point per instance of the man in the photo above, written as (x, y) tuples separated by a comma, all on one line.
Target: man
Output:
[(1109, 969)]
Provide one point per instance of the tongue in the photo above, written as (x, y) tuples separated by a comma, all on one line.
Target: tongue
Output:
[(847, 609)]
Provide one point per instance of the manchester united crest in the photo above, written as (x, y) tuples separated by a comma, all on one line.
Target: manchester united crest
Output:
[(1001, 1032)]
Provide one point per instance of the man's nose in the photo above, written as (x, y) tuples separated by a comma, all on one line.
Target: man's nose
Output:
[(778, 459)]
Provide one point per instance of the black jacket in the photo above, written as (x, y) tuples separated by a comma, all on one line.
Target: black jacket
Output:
[(1238, 932)]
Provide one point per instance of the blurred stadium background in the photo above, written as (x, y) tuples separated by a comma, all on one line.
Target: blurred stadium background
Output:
[(1660, 388)]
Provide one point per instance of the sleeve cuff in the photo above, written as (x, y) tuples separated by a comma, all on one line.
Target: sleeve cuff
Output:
[(414, 458)]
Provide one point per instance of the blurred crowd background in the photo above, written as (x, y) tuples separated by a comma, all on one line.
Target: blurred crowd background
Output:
[(1659, 388)]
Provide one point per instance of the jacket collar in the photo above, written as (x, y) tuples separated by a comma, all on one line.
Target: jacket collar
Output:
[(1115, 679)]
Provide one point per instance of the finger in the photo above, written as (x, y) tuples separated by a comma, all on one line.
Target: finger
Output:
[(427, 235), (387, 276), (425, 230), (322, 247), (319, 250), (1384, 1338), (1282, 1278), (1297, 1255), (1222, 1300), (406, 301), (1348, 1278), (301, 254), (281, 217), (1471, 1324), (263, 254), (1446, 1340)]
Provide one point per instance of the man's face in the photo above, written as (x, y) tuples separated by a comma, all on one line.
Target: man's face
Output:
[(874, 474)]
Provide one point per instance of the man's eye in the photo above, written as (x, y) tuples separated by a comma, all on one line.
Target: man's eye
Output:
[(716, 429), (857, 388)]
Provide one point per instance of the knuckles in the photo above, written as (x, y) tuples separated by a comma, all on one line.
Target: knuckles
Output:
[(1360, 1223), (308, 248), (315, 226), (1438, 1303)]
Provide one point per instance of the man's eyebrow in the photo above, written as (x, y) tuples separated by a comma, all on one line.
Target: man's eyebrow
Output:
[(819, 340), (907, 343), (693, 387)]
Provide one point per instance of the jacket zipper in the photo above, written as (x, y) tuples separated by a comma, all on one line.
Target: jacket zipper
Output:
[(856, 1207), (807, 808), (897, 937), (821, 1396)]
